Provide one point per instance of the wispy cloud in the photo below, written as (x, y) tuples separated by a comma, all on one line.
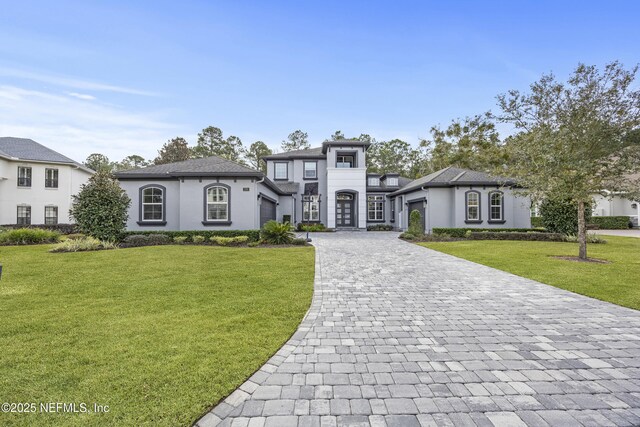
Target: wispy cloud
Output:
[(84, 96), (70, 82), (78, 128)]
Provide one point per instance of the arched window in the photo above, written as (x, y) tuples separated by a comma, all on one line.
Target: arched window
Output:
[(472, 206), (496, 206), (152, 200), (217, 199)]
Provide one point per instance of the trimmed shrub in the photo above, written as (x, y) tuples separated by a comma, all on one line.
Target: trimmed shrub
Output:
[(416, 224), (28, 236), (75, 236), (299, 242), (407, 236), (311, 227), (229, 241), (561, 216), (253, 244), (254, 235), (461, 233), (180, 240), (610, 222), (591, 238), (536, 222), (531, 236), (380, 227), (196, 239), (60, 228), (276, 233), (100, 208), (135, 240), (82, 245), (158, 239)]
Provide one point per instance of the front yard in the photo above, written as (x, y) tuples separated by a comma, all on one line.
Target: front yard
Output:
[(617, 282), (159, 334)]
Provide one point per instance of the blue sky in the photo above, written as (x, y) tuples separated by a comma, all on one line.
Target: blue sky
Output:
[(123, 77)]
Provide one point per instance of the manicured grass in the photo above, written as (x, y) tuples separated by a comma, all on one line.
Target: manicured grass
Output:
[(159, 334), (617, 282)]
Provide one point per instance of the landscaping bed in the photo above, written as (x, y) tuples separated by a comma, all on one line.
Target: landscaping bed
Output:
[(159, 334)]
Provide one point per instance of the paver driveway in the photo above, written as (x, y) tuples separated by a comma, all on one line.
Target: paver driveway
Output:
[(401, 335)]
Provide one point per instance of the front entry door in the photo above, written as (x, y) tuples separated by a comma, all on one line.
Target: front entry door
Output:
[(344, 210)]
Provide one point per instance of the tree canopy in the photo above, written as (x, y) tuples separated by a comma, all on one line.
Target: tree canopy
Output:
[(297, 140), (212, 143), (175, 150), (256, 151), (575, 138), (98, 162)]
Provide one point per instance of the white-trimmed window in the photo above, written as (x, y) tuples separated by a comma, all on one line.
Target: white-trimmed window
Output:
[(24, 176), (152, 204), (50, 215), (218, 203), (24, 215), (375, 208), (281, 171), (311, 208), (374, 181), (495, 206), (51, 178), (310, 170), (473, 206), (392, 181)]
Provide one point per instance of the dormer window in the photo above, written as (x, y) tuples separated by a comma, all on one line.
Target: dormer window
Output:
[(392, 181), (374, 181)]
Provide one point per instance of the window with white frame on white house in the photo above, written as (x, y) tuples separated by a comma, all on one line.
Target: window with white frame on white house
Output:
[(495, 206), (51, 178), (375, 208), (24, 215), (473, 206), (310, 170), (311, 208), (50, 215), (281, 171), (24, 176)]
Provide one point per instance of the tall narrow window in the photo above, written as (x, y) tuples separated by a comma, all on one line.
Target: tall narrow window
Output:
[(375, 208), (50, 215), (473, 206), (51, 178), (310, 170), (495, 206), (311, 208), (24, 176), (218, 203), (281, 171), (153, 204), (393, 210), (24, 215)]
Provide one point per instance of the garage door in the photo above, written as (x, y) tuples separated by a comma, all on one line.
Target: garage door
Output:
[(267, 211), (418, 205)]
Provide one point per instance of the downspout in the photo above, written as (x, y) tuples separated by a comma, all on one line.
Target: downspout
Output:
[(257, 215)]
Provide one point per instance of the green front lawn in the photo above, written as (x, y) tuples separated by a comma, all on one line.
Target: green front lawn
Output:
[(159, 334), (617, 282)]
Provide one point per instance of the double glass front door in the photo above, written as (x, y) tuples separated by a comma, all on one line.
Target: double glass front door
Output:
[(344, 210)]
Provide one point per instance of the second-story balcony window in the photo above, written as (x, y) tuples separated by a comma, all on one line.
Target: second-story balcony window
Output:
[(345, 161)]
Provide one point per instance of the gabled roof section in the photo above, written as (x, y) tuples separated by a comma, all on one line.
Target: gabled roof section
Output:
[(28, 150), (451, 176), (383, 187), (206, 166), (309, 153), (345, 143)]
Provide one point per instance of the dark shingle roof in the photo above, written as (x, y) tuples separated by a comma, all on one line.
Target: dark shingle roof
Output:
[(345, 143), (288, 187), (28, 149), (309, 153), (206, 166), (451, 176), (383, 187)]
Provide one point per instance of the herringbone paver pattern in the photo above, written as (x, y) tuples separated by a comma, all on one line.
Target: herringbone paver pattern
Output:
[(399, 335)]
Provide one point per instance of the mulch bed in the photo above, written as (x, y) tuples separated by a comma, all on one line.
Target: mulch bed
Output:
[(577, 259)]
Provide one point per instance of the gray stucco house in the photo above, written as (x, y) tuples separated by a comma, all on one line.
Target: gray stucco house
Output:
[(327, 184)]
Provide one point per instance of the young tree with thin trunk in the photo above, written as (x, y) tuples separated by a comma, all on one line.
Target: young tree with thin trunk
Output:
[(574, 137)]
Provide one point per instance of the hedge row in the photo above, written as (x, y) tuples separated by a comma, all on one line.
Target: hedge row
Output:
[(540, 237), (60, 228), (536, 222), (462, 232), (253, 235), (610, 222)]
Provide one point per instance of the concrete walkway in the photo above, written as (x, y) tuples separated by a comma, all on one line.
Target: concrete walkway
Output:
[(399, 335), (622, 233)]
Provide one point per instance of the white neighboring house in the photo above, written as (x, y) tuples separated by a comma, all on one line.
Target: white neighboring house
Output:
[(36, 183)]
